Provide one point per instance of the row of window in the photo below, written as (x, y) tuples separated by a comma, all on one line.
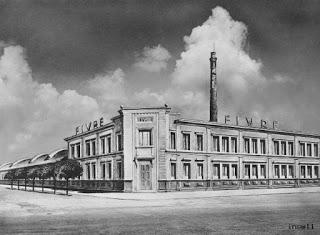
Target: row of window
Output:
[(105, 170), (227, 144), (90, 146), (251, 171)]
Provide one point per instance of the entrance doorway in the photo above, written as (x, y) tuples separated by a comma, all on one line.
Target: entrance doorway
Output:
[(145, 176)]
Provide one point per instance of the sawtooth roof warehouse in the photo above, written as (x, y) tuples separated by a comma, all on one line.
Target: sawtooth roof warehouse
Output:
[(155, 149)]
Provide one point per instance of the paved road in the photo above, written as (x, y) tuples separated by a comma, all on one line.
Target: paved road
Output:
[(29, 212)]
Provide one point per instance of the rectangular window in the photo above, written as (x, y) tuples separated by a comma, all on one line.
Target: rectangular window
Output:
[(200, 171), (316, 171), (145, 138), (88, 171), (172, 140), (290, 148), (186, 141), (93, 144), (290, 173), (234, 169), (308, 149), (186, 170), (303, 171), (255, 171), (119, 142), (200, 142), (225, 144), (283, 171), (119, 170), (216, 171), (283, 148), (263, 171), (315, 150), (103, 144), (234, 144), (254, 146), (263, 146), (247, 171), (246, 145), (309, 171), (94, 171), (109, 170), (276, 171), (302, 149), (225, 170), (72, 150), (103, 168), (108, 144), (173, 170), (276, 147), (215, 144), (88, 148), (78, 150)]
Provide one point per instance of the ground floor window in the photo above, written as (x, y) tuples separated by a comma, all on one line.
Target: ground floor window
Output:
[(254, 171), (88, 171), (234, 169), (103, 170), (225, 171), (276, 171), (263, 171), (186, 170), (109, 170), (200, 171), (247, 171), (316, 171), (119, 170), (173, 167), (216, 171), (94, 171)]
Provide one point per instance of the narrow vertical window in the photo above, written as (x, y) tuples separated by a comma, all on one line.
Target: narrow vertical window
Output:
[(103, 145), (88, 148), (315, 150), (109, 170), (215, 144), (283, 148), (93, 144), (119, 170), (109, 144), (290, 173), (103, 168), (263, 146), (216, 171), (94, 171), (225, 144), (254, 146), (309, 171), (88, 171), (308, 149), (119, 142), (290, 148), (234, 144), (316, 171), (255, 171), (302, 149), (263, 171), (276, 147), (276, 171), (200, 142), (246, 145), (200, 171), (78, 150), (186, 170), (172, 140), (145, 138), (186, 141), (247, 171), (283, 171), (173, 170), (303, 171), (72, 150), (234, 170), (225, 170)]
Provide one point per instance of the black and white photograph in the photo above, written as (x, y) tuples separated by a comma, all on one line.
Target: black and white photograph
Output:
[(159, 117)]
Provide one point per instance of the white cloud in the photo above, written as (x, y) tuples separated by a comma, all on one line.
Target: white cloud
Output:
[(153, 59), (35, 117)]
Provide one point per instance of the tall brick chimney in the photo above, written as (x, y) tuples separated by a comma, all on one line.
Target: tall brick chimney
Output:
[(213, 88)]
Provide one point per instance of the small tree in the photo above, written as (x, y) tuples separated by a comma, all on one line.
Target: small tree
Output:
[(44, 173), (11, 176), (21, 174), (69, 169), (32, 173)]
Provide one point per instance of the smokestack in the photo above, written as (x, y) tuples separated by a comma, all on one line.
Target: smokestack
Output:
[(213, 88)]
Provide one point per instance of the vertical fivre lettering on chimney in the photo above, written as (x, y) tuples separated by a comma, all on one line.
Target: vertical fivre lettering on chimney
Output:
[(213, 88)]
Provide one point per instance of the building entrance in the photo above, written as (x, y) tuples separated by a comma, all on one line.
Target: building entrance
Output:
[(145, 176)]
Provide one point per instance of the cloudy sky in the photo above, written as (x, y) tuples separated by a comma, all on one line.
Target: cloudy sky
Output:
[(63, 63)]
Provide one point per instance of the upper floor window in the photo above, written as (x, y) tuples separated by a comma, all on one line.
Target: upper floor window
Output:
[(315, 150), (91, 147), (119, 142), (234, 144), (145, 138), (215, 144), (309, 149), (105, 144), (172, 140), (246, 145), (290, 148), (254, 146), (276, 147), (199, 142), (283, 148), (225, 144), (302, 147), (263, 146), (186, 141)]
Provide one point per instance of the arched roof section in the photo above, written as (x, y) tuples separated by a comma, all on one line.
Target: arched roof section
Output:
[(6, 166), (59, 154), (39, 157), (21, 163)]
